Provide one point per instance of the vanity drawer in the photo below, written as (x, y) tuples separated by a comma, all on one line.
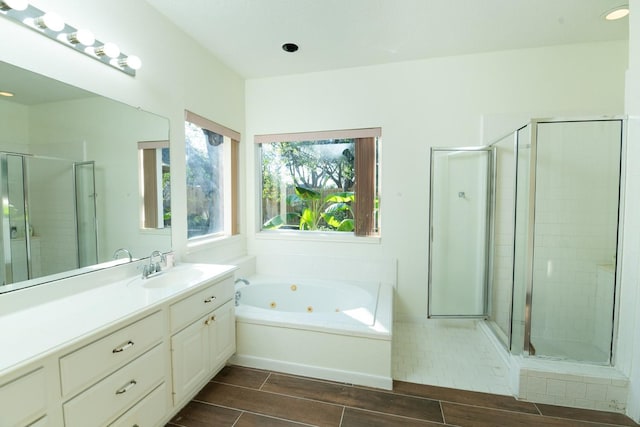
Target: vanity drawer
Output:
[(197, 305), (92, 362), (23, 400), (148, 412), (119, 391)]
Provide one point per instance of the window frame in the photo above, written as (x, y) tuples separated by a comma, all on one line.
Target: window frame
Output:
[(230, 196), (150, 185), (355, 134)]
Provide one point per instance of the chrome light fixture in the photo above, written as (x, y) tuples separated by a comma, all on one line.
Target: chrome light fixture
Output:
[(110, 50), (82, 36), (82, 40), (14, 4)]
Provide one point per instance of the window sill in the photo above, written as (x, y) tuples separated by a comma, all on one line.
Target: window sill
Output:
[(316, 236), (199, 243), (156, 231)]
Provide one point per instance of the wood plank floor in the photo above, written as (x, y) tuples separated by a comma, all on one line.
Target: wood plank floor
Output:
[(242, 397)]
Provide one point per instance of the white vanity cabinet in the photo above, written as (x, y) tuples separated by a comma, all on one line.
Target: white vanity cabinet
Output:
[(24, 400), (202, 346), (114, 354), (115, 372)]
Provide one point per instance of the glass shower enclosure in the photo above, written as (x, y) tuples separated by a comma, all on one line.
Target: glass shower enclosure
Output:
[(48, 218), (555, 239), (524, 233)]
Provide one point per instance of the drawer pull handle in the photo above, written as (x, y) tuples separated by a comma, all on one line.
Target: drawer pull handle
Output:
[(208, 300), (123, 347), (127, 387), (207, 322)]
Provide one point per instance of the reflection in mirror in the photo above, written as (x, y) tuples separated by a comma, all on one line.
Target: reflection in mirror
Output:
[(69, 180), (155, 180)]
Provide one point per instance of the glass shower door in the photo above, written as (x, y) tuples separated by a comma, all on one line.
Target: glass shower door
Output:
[(502, 238), (459, 226), (14, 221), (85, 198), (577, 188), (521, 248)]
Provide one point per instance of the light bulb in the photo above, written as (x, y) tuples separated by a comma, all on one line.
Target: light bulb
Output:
[(51, 21), (617, 13), (108, 49), (14, 4), (82, 36), (131, 61)]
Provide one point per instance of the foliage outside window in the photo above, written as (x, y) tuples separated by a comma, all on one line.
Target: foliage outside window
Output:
[(211, 160), (323, 183), (155, 181)]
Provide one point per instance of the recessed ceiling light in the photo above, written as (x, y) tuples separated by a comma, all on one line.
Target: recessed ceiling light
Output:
[(7, 94), (617, 13), (290, 47)]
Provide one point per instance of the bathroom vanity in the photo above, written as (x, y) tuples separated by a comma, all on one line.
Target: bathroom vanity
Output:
[(112, 348)]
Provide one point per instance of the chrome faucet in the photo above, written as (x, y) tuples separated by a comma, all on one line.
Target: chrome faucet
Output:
[(124, 251), (153, 267), (240, 279), (238, 296)]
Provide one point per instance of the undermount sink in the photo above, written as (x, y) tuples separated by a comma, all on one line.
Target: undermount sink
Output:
[(172, 276)]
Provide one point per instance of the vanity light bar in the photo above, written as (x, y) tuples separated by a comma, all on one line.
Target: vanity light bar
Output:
[(82, 40)]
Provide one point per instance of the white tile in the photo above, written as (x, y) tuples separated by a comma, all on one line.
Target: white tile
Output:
[(616, 393), (620, 382), (449, 354), (597, 392), (541, 398), (576, 390), (536, 385), (556, 388), (597, 380)]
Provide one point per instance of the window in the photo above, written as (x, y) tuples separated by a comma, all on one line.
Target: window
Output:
[(155, 187), (212, 181), (321, 181)]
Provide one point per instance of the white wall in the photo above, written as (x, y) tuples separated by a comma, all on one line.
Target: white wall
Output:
[(176, 75), (420, 104), (628, 355)]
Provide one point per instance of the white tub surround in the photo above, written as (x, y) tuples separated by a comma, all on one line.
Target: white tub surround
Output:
[(351, 342), (101, 346)]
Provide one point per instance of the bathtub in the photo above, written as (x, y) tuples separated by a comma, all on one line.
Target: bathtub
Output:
[(333, 330)]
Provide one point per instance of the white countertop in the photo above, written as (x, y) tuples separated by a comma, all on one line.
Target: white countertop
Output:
[(36, 331)]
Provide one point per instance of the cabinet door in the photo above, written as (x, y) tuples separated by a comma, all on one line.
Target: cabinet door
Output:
[(18, 410), (190, 358), (223, 335)]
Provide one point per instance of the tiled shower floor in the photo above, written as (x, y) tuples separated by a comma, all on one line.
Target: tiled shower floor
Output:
[(448, 353)]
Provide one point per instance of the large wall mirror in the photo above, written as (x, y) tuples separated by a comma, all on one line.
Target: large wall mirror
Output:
[(72, 180)]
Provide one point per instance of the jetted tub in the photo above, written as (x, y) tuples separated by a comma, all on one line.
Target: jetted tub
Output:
[(340, 331)]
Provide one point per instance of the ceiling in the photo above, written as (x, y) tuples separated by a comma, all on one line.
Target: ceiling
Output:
[(247, 35), (32, 88)]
